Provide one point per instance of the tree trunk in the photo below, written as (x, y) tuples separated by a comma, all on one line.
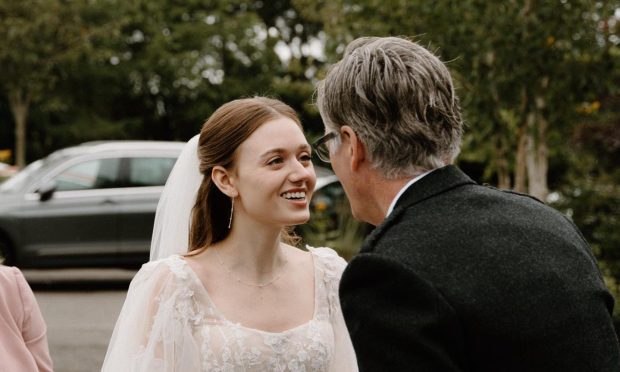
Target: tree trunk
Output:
[(532, 174), (20, 103), (502, 165), (520, 159), (503, 175), (521, 165), (538, 159), (540, 189)]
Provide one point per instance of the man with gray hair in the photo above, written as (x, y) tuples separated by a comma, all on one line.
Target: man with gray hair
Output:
[(456, 276)]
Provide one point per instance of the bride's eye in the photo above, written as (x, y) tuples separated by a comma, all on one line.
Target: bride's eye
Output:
[(275, 161), (305, 157)]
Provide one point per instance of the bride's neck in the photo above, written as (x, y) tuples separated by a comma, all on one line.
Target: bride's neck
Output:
[(253, 249)]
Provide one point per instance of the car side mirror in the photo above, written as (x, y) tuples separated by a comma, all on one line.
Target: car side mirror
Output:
[(46, 191)]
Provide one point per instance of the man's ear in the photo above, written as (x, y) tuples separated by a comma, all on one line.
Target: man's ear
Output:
[(357, 150), (223, 180)]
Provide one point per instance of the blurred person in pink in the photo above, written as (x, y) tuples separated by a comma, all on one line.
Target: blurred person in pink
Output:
[(23, 340)]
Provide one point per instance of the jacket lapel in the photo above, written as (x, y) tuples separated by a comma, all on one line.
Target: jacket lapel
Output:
[(433, 184)]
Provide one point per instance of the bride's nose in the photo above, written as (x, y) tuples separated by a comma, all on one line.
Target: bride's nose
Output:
[(301, 172)]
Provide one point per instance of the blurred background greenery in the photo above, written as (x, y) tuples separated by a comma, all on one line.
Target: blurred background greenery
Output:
[(538, 80)]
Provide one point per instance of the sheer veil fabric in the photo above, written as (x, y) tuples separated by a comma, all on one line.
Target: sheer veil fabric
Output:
[(173, 216)]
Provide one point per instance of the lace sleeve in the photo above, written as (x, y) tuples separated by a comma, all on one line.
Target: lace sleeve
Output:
[(151, 334), (344, 359)]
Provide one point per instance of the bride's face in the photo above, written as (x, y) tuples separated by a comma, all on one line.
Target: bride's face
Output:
[(274, 175)]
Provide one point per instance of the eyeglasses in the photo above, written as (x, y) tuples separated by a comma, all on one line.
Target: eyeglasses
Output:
[(321, 146)]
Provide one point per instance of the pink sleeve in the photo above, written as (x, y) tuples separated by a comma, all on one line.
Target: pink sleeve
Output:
[(34, 330)]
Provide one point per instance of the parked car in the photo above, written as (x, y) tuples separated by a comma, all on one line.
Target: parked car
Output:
[(93, 205), (88, 205), (7, 170), (331, 223)]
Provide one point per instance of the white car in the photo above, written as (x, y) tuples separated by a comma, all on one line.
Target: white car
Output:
[(7, 170)]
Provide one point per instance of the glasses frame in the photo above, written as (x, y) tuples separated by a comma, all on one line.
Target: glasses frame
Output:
[(321, 148)]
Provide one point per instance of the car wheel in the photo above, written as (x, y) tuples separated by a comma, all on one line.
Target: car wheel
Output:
[(5, 252)]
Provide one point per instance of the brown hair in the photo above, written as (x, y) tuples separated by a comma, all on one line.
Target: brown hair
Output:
[(220, 136)]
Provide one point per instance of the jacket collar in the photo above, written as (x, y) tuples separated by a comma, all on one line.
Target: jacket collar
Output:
[(437, 182), (434, 183)]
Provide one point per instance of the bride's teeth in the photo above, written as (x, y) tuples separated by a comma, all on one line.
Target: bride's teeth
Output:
[(296, 195)]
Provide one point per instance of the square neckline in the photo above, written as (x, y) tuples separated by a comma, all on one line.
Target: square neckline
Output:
[(223, 318)]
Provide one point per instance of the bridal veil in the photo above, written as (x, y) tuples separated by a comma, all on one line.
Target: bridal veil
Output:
[(173, 216)]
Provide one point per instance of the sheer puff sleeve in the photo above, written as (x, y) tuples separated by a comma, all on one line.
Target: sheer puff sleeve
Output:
[(344, 358), (154, 329)]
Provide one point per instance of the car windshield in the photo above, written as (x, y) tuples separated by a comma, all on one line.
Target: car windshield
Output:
[(19, 180)]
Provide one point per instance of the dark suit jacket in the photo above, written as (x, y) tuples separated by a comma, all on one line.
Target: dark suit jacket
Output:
[(463, 277)]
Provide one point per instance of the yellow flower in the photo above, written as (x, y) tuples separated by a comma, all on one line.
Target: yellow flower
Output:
[(320, 206)]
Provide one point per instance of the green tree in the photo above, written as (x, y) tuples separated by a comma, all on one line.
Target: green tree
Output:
[(589, 192), (139, 69), (523, 67), (185, 60), (35, 37)]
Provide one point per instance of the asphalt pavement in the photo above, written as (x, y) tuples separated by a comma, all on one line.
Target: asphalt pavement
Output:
[(80, 307)]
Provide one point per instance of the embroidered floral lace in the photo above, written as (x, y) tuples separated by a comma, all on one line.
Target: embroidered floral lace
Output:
[(169, 323)]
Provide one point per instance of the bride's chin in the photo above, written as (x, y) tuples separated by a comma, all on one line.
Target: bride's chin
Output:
[(298, 221)]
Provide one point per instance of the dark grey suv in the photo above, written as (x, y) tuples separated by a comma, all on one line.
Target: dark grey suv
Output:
[(89, 205)]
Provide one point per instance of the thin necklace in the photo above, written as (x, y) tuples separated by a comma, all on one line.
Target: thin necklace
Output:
[(259, 285)]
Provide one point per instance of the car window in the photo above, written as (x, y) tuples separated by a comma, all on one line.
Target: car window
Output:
[(93, 174), (149, 171)]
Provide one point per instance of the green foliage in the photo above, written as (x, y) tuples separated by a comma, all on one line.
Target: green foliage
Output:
[(34, 37), (37, 40), (184, 60), (590, 194), (509, 58), (156, 69)]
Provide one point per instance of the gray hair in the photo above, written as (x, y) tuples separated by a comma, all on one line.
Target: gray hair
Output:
[(399, 99)]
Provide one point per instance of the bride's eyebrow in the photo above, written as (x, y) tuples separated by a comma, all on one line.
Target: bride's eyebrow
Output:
[(280, 151), (271, 152)]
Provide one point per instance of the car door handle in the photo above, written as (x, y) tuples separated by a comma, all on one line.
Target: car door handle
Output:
[(108, 202)]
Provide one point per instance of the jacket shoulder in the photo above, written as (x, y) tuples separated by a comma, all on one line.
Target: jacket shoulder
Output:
[(512, 192)]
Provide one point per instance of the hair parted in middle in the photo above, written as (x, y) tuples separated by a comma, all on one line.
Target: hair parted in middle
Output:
[(399, 98), (225, 130)]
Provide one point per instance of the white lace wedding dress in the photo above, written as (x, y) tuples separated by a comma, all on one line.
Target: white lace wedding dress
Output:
[(169, 323)]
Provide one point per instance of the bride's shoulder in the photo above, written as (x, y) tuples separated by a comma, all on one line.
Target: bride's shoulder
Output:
[(172, 267), (328, 258)]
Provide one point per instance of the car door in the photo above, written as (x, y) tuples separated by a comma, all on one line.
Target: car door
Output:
[(79, 222), (145, 177)]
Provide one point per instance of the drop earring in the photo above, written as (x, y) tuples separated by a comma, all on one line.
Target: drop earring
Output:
[(232, 209)]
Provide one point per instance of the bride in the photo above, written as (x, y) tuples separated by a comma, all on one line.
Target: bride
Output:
[(225, 290)]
